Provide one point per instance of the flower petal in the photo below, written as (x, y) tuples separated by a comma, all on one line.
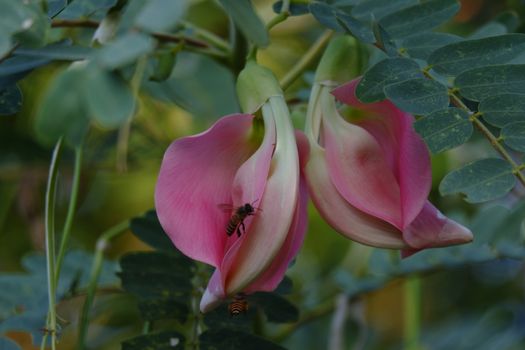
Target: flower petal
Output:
[(341, 215), (244, 263), (273, 275), (358, 168), (433, 229), (214, 294), (402, 146), (196, 176)]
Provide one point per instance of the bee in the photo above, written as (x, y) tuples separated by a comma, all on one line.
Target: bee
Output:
[(236, 222), (238, 305)]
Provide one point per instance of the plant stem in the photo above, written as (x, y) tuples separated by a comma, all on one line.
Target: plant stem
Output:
[(494, 141), (125, 129), (306, 60), (51, 326), (412, 314), (281, 17), (208, 36), (96, 268), (70, 211)]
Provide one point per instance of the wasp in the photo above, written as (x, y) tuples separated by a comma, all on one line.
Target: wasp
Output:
[(238, 305), (236, 222)]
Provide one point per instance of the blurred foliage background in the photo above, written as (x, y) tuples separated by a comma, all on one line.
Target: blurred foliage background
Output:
[(471, 297)]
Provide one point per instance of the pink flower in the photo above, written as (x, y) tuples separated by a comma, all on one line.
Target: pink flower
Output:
[(370, 177), (230, 164)]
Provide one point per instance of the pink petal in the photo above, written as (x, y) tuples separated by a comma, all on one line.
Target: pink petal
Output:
[(214, 294), (269, 229), (402, 146), (248, 187), (432, 229), (339, 214), (270, 279), (358, 167), (196, 175)]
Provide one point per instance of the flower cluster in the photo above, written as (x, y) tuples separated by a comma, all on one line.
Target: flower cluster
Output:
[(369, 177)]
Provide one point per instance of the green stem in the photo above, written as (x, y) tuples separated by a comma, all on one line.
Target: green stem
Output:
[(306, 60), (210, 37), (125, 129), (70, 211), (496, 144), (51, 326), (281, 17), (96, 268), (412, 314)]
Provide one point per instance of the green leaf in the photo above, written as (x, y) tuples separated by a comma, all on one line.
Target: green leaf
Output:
[(481, 83), (108, 98), (86, 8), (124, 50), (61, 51), (423, 44), (456, 58), (155, 275), (167, 340), (480, 181), (354, 27), (379, 8), (197, 75), (419, 96), (295, 9), (228, 339), (421, 17), (514, 135), (63, 112), (22, 22), (8, 344), (164, 309), (161, 15), (17, 66), (510, 19), (276, 308), (488, 30), (389, 71), (10, 100), (147, 228), (500, 110), (445, 129), (247, 20), (325, 14)]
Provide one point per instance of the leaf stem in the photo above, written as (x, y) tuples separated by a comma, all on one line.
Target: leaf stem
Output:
[(208, 36), (412, 314), (494, 141), (306, 60), (70, 210), (96, 267), (125, 129), (51, 325)]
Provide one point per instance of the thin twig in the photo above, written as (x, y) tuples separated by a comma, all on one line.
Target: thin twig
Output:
[(51, 326), (306, 60), (70, 211), (96, 268)]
